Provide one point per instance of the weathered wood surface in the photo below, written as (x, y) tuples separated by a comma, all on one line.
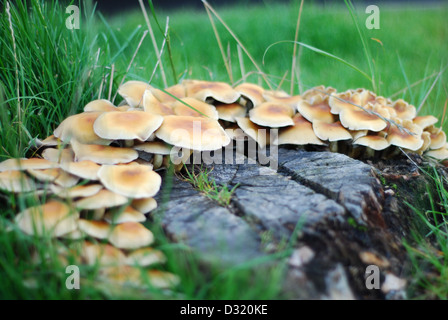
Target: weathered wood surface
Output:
[(344, 219)]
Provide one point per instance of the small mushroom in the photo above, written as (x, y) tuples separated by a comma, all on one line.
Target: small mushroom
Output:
[(145, 257), (203, 90), (53, 218), (76, 191), (359, 119), (101, 105), (58, 155), (316, 108), (103, 154), (24, 164), (129, 214), (252, 93), (438, 137), (127, 125), (152, 105), (206, 110), (439, 154), (425, 121), (398, 137), (178, 90), (103, 199), (373, 141), (144, 205), (229, 112), (95, 229), (330, 131), (85, 169), (272, 114), (104, 255), (130, 235), (258, 133), (301, 133), (16, 181), (132, 181), (404, 110), (132, 91)]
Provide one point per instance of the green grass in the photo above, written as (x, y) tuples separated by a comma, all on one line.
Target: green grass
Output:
[(48, 72)]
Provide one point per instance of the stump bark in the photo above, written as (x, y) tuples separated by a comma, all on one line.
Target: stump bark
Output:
[(340, 215)]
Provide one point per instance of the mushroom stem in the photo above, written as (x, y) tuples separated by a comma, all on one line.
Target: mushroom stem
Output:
[(369, 153), (334, 146), (128, 143), (390, 152), (157, 161)]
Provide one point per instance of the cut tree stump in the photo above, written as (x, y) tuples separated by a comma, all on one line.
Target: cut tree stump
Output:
[(337, 212)]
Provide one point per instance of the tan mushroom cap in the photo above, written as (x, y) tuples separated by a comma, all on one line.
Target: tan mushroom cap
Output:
[(291, 101), (426, 137), (96, 229), (403, 139), (330, 131), (438, 137), (80, 127), (103, 154), (229, 112), (152, 105), (53, 218), (103, 199), (358, 119), (101, 105), (85, 169), (194, 133), (439, 154), (177, 90), (425, 121), (154, 147), (144, 257), (58, 155), (350, 100), (130, 235), (16, 181), (76, 191), (322, 92), (202, 90), (404, 110), (316, 109), (54, 175), (375, 142), (102, 254), (132, 181), (129, 214), (207, 110), (127, 125), (272, 114), (24, 164), (252, 92), (50, 141), (144, 205), (162, 279), (301, 133), (132, 91), (258, 133)]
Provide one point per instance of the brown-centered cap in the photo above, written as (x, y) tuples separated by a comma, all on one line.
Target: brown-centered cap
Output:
[(101, 105), (203, 90), (132, 181), (316, 108), (193, 133), (229, 112), (84, 169), (145, 257), (24, 164), (103, 154), (152, 105), (80, 127), (76, 191), (53, 218), (130, 235), (400, 138), (350, 100), (177, 90), (58, 155), (439, 154), (438, 137), (129, 214), (205, 110), (95, 229), (319, 92), (251, 92), (425, 121), (272, 114), (359, 119), (102, 199), (291, 101), (404, 110), (330, 131), (301, 133), (374, 141), (258, 133), (426, 136), (127, 125), (132, 91), (16, 181)]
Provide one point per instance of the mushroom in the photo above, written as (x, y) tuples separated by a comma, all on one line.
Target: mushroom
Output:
[(103, 199), (398, 137), (291, 101), (132, 181), (362, 119), (425, 121), (144, 205), (203, 90), (95, 229), (426, 136), (205, 109), (129, 214), (272, 114), (373, 141), (154, 106), (58, 155), (194, 133), (130, 235), (132, 91), (53, 218), (316, 108), (178, 90), (404, 110), (439, 154), (103, 154), (320, 92), (80, 127), (127, 125), (438, 137), (76, 191), (144, 257), (16, 181), (301, 133), (258, 133), (85, 169), (23, 164), (101, 105), (229, 112), (102, 254), (332, 132), (252, 93)]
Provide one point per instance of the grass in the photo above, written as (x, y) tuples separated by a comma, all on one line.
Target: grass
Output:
[(48, 72)]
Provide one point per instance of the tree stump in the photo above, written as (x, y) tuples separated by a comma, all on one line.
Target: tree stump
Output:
[(338, 212)]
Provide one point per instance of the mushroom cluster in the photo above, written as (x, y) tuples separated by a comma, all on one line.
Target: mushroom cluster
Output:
[(98, 171)]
